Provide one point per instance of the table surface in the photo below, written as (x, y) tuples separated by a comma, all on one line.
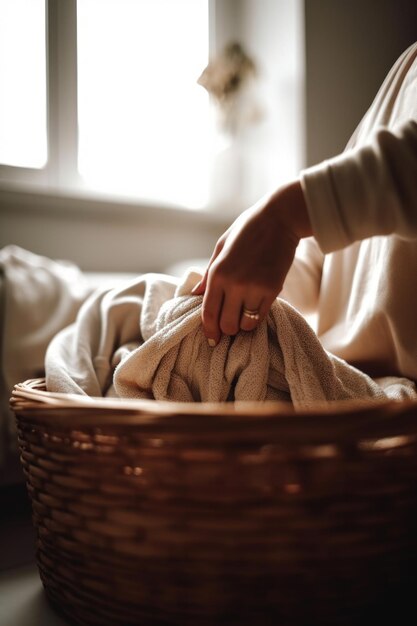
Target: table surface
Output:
[(23, 601)]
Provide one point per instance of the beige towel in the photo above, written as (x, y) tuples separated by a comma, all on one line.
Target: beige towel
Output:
[(82, 357), (146, 341)]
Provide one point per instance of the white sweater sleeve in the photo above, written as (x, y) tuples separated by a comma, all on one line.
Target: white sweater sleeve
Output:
[(302, 284), (371, 190)]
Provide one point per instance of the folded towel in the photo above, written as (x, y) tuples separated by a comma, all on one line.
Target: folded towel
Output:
[(145, 340)]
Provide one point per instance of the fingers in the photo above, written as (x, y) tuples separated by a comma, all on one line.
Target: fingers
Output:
[(252, 312), (200, 288), (211, 309), (230, 314), (226, 311)]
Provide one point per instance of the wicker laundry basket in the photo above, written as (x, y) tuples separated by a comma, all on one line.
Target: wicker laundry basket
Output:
[(152, 513)]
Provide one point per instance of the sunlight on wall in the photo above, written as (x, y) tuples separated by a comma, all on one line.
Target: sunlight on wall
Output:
[(143, 120), (23, 83)]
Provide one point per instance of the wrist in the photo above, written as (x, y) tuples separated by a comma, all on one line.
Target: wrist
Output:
[(290, 207)]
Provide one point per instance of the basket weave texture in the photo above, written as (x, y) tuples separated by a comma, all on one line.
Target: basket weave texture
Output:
[(154, 513)]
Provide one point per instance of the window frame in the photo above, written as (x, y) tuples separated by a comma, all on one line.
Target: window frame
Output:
[(60, 172), (228, 20), (61, 102)]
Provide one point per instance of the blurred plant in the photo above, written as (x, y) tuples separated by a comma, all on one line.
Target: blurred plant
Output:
[(230, 78)]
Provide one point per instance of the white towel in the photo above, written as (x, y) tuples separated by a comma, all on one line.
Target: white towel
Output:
[(146, 341), (39, 297)]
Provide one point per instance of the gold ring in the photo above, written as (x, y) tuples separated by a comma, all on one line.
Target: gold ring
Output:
[(252, 314)]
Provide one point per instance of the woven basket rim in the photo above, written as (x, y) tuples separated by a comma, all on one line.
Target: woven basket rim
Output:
[(32, 393), (31, 399)]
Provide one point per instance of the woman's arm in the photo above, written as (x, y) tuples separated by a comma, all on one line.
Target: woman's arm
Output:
[(250, 262), (364, 192), (369, 191)]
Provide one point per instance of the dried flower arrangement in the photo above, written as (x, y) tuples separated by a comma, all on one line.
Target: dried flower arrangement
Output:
[(229, 78)]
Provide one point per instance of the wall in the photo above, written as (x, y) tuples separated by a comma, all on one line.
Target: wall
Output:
[(106, 236), (116, 237), (270, 151), (273, 31), (350, 46)]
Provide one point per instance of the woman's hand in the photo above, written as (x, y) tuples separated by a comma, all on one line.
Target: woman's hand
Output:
[(249, 264)]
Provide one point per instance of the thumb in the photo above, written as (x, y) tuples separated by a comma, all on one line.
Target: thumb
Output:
[(200, 287)]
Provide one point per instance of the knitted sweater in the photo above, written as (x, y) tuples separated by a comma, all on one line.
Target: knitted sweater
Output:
[(359, 271)]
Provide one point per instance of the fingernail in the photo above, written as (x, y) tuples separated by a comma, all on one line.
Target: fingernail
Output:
[(196, 287), (211, 342)]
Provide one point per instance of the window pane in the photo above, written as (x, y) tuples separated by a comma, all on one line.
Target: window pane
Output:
[(143, 120), (23, 83)]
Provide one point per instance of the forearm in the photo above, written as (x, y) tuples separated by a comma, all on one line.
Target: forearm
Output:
[(287, 206)]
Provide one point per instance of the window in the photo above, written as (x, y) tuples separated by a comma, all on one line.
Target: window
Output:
[(143, 120), (125, 113), (101, 97), (23, 83)]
